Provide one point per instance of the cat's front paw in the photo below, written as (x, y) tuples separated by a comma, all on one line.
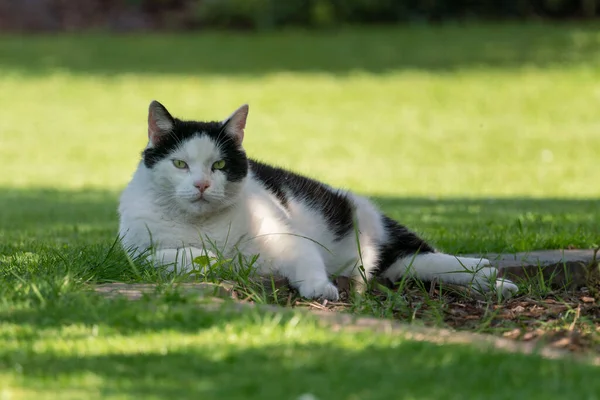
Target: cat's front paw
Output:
[(319, 290)]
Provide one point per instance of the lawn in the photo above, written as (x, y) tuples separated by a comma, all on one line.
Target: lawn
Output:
[(481, 138)]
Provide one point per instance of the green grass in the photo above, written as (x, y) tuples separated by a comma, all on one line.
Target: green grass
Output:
[(482, 138), (93, 348)]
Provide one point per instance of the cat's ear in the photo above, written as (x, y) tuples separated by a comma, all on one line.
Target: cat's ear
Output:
[(160, 122), (236, 123)]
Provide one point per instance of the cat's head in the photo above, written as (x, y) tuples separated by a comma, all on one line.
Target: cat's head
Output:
[(198, 167)]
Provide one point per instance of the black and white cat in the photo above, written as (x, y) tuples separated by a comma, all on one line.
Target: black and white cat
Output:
[(195, 185)]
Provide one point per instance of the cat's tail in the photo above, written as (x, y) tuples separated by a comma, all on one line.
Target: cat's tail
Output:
[(404, 253)]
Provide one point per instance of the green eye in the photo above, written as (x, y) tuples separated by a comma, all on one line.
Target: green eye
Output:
[(180, 164), (218, 165)]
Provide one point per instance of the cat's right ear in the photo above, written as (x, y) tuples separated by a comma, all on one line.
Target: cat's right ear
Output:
[(160, 122)]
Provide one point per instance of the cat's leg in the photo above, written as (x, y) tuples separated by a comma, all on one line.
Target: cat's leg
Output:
[(305, 270), (403, 252), (313, 282), (464, 271), (359, 252), (284, 249), (296, 258), (179, 260)]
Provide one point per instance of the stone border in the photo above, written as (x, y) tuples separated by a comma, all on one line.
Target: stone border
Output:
[(136, 291), (560, 268)]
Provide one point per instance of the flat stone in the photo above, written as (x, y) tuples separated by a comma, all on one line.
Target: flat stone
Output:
[(225, 289), (559, 268), (136, 291)]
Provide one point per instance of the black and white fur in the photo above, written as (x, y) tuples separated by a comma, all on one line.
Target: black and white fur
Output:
[(300, 228)]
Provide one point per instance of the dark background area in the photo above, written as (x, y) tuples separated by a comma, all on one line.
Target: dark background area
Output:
[(135, 15)]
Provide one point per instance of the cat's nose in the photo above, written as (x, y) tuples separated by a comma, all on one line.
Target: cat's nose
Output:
[(202, 185)]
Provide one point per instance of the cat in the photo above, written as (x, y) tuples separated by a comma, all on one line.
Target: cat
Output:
[(195, 186)]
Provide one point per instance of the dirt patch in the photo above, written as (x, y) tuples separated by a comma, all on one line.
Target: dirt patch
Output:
[(561, 320)]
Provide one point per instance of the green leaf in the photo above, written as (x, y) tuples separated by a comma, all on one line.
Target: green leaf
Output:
[(203, 261)]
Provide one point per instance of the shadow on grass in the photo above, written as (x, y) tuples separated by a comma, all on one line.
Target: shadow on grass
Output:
[(455, 225), (49, 216), (213, 360), (374, 50)]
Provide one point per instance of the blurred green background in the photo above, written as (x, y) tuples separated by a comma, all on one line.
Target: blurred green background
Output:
[(476, 126)]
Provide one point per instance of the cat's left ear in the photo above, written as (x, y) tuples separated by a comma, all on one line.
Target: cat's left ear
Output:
[(236, 123)]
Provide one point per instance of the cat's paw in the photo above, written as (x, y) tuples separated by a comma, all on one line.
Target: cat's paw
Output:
[(319, 290), (506, 288), (481, 276), (486, 279)]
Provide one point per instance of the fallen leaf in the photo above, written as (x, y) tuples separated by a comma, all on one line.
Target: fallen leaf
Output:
[(514, 334), (564, 342), (587, 299)]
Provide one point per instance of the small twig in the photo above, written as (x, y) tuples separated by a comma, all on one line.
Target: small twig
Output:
[(248, 299), (338, 303), (434, 283), (311, 304), (577, 315), (317, 305)]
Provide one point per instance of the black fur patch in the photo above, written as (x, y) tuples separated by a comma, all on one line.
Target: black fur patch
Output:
[(236, 163), (333, 204), (271, 177), (400, 243)]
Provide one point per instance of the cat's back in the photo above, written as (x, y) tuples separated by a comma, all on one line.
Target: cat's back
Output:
[(312, 205)]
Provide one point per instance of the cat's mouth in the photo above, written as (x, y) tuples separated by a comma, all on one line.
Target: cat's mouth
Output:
[(198, 199)]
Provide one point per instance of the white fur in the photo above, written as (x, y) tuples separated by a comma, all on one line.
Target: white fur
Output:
[(160, 209)]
